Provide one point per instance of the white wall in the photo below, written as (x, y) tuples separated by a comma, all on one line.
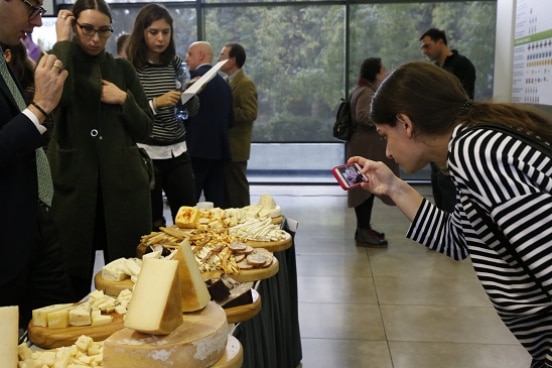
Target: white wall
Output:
[(505, 22), (49, 5)]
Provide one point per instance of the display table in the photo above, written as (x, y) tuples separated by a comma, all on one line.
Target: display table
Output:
[(272, 339)]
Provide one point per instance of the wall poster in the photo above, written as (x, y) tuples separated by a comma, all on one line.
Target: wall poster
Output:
[(532, 66)]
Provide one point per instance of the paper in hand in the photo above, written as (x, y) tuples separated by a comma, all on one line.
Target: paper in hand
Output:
[(205, 78)]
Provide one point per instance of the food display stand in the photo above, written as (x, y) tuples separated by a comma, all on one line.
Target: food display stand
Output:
[(272, 338)]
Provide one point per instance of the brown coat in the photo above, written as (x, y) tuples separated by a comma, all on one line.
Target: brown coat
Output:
[(365, 141)]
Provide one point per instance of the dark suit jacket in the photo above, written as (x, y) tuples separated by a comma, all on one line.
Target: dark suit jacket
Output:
[(19, 139), (207, 132), (244, 94)]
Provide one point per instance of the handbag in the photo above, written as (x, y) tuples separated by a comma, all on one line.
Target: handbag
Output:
[(148, 165)]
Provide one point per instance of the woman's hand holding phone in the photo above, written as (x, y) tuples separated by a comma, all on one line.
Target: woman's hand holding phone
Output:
[(349, 175)]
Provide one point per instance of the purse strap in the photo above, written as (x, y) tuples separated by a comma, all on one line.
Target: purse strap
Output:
[(537, 143)]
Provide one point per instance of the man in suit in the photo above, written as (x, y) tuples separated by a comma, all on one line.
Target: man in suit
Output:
[(207, 132), (433, 44), (31, 266), (244, 95)]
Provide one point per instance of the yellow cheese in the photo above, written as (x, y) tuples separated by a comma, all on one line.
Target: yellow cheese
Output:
[(80, 316), (187, 217), (9, 320), (40, 315), (195, 295), (156, 306), (59, 318)]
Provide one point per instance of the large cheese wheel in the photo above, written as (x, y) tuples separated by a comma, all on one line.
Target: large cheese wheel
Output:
[(199, 342)]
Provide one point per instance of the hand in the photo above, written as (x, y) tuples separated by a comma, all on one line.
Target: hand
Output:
[(111, 94), (49, 79), (170, 98), (64, 25), (379, 175)]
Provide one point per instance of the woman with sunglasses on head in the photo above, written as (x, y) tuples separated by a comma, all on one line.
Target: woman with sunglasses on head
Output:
[(151, 49), (102, 196)]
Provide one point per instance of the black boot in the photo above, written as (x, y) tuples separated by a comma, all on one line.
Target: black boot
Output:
[(369, 238)]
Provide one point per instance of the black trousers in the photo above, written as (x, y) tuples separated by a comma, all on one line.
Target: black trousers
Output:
[(45, 280), (209, 179)]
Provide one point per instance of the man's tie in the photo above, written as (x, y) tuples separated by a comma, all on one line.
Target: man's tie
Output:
[(45, 186)]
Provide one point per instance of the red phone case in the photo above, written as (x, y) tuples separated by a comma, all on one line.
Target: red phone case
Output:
[(348, 176)]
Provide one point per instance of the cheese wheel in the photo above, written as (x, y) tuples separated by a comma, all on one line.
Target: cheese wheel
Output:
[(156, 306), (199, 342), (195, 295), (9, 320)]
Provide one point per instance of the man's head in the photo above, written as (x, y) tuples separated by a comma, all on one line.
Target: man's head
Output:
[(18, 18), (199, 53), (434, 44), (235, 54)]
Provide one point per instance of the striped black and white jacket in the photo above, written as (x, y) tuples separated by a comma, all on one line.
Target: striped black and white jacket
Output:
[(512, 183)]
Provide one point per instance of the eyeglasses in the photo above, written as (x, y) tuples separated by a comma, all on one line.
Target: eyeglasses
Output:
[(89, 31), (35, 10)]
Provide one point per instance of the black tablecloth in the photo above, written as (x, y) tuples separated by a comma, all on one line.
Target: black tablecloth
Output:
[(271, 339)]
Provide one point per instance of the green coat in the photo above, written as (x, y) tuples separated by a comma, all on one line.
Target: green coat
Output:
[(244, 94), (107, 167)]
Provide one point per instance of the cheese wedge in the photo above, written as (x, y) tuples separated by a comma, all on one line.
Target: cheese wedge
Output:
[(195, 295), (156, 305), (9, 320)]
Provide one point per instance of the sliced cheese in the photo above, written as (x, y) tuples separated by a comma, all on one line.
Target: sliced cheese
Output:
[(156, 306), (80, 316), (9, 320), (40, 315), (59, 318), (195, 295)]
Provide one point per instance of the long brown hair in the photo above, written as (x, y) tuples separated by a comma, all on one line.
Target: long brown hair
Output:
[(137, 48), (436, 102)]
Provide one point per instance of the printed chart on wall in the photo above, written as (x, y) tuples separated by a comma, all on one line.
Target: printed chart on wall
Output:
[(532, 67)]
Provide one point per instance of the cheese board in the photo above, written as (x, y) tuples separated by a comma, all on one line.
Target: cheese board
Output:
[(49, 338), (242, 313), (113, 288), (272, 246)]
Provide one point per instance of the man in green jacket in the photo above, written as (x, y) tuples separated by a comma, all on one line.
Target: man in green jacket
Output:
[(244, 94)]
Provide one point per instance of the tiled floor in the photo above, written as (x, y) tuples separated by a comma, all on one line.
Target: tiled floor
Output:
[(401, 307)]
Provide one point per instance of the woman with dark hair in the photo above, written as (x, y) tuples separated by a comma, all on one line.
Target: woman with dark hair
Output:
[(22, 67), (503, 213), (152, 51), (366, 142), (102, 197)]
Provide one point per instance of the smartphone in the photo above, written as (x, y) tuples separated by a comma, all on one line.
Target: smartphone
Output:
[(348, 176)]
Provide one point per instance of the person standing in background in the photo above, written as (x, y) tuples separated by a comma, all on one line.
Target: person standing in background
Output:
[(434, 45), (102, 194), (151, 49), (122, 44), (32, 271), (366, 142), (244, 94), (22, 67), (207, 133)]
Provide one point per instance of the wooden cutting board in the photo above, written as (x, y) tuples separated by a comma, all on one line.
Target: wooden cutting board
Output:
[(242, 313), (272, 246), (113, 288), (48, 338)]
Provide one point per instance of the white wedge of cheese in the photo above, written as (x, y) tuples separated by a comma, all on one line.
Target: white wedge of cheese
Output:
[(195, 295), (9, 318), (156, 306)]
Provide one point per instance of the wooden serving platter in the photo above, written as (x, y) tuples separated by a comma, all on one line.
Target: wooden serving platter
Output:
[(113, 288), (48, 338), (242, 313), (272, 246)]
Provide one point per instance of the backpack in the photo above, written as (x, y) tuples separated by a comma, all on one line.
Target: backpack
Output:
[(343, 125)]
